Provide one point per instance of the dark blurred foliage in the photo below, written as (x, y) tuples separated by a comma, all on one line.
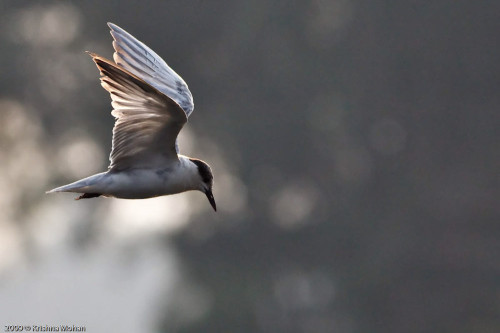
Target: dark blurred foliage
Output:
[(366, 135)]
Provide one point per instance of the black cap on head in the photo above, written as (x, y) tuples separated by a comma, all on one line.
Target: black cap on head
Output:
[(204, 170)]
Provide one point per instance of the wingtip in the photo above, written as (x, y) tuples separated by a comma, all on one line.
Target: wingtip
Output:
[(95, 57), (114, 28)]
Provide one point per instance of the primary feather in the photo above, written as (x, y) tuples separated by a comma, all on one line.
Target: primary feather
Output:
[(139, 59), (147, 121)]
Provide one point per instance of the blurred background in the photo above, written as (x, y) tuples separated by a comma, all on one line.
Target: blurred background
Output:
[(355, 149)]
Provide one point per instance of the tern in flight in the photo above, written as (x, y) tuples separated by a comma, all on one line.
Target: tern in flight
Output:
[(151, 104)]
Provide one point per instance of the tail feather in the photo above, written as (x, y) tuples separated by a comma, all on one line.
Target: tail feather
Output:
[(85, 185), (77, 187)]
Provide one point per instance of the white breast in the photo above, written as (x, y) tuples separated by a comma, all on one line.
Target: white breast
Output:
[(147, 183)]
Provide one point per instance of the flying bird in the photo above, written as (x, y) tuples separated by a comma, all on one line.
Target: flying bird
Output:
[(151, 104)]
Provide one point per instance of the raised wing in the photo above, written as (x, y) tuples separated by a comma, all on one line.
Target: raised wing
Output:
[(147, 121), (140, 60)]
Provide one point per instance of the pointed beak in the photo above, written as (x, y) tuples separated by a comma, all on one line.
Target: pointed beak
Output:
[(211, 199)]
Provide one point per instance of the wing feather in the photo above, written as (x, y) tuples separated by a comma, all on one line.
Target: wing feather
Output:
[(139, 59), (147, 120)]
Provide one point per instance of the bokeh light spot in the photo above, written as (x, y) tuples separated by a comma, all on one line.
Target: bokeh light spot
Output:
[(47, 25), (80, 156), (293, 203)]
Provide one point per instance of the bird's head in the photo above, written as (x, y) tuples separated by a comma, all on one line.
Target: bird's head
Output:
[(207, 180)]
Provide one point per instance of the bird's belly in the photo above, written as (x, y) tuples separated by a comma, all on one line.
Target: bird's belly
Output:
[(138, 184)]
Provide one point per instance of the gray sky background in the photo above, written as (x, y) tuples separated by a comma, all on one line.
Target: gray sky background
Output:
[(355, 150)]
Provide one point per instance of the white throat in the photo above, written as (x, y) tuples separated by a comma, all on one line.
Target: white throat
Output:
[(187, 173)]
